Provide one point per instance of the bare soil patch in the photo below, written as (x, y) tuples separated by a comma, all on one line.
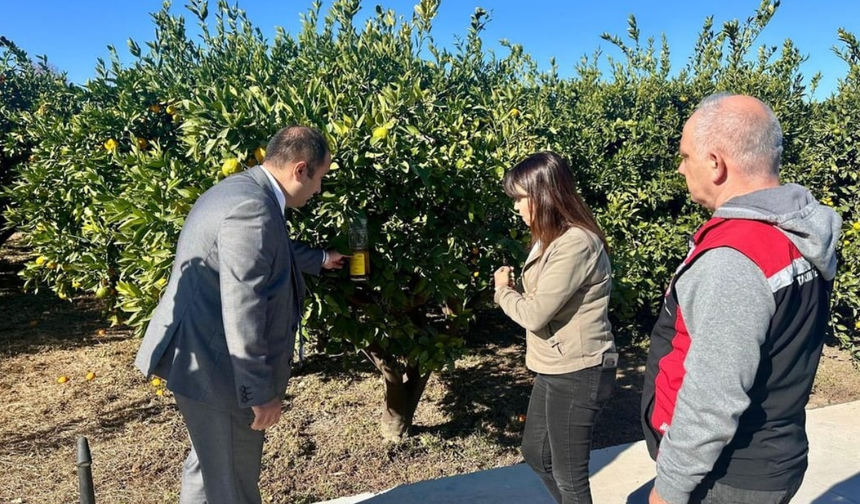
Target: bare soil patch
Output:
[(326, 445)]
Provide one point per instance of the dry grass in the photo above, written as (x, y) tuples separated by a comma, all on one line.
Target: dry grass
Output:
[(325, 446)]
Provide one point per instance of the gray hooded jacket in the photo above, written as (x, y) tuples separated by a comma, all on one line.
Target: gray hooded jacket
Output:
[(728, 307)]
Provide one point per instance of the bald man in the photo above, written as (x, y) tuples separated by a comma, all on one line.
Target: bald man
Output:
[(735, 349)]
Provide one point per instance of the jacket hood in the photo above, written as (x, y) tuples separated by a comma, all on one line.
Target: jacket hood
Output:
[(812, 227)]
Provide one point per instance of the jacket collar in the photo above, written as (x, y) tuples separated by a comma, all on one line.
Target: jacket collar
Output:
[(259, 176), (532, 259)]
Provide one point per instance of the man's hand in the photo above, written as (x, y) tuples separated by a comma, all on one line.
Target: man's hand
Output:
[(654, 498), (335, 260), (266, 415)]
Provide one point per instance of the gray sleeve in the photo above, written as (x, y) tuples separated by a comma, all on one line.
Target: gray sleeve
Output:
[(246, 255), (727, 305), (308, 260)]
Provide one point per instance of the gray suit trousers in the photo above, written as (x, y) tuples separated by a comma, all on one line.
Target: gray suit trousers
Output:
[(223, 466)]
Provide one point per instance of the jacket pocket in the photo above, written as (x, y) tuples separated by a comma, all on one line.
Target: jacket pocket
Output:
[(554, 339), (555, 344), (601, 385)]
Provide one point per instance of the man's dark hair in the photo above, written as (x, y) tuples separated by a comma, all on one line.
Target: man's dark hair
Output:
[(297, 143)]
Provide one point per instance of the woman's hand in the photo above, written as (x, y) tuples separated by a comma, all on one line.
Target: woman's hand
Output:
[(502, 277)]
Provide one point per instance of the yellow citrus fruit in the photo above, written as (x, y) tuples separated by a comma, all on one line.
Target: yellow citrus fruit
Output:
[(334, 166), (171, 110), (230, 167), (111, 144), (76, 284), (857, 325), (51, 265), (380, 133), (90, 376), (156, 382), (62, 379), (476, 274), (102, 292), (156, 108), (515, 112), (683, 99), (260, 154), (856, 226), (41, 260), (159, 392), (142, 143)]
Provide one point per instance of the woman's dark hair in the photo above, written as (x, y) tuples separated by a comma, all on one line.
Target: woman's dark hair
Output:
[(554, 202)]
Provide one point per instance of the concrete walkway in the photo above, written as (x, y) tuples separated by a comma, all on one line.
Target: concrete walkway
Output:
[(624, 474)]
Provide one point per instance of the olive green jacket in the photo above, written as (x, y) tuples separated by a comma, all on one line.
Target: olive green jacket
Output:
[(564, 305)]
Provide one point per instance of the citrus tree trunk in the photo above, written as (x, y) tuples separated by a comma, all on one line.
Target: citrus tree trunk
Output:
[(404, 386)]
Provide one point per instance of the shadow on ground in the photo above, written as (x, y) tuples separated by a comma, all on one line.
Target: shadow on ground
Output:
[(32, 321), (108, 424), (505, 385)]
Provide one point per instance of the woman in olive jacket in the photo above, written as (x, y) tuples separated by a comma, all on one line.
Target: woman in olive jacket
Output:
[(563, 305)]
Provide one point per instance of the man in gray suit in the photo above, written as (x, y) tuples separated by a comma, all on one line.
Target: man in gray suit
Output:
[(224, 332)]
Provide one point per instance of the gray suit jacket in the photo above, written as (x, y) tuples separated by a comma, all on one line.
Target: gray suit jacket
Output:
[(225, 328)]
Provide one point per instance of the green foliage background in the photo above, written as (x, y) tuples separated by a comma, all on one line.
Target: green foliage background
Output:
[(26, 87), (422, 136)]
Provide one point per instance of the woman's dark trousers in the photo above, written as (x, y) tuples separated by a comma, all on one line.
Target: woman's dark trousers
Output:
[(562, 412)]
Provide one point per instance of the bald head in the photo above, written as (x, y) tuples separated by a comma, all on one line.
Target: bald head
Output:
[(743, 129)]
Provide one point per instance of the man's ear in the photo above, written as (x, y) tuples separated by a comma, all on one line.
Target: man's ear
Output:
[(300, 170), (718, 169)]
